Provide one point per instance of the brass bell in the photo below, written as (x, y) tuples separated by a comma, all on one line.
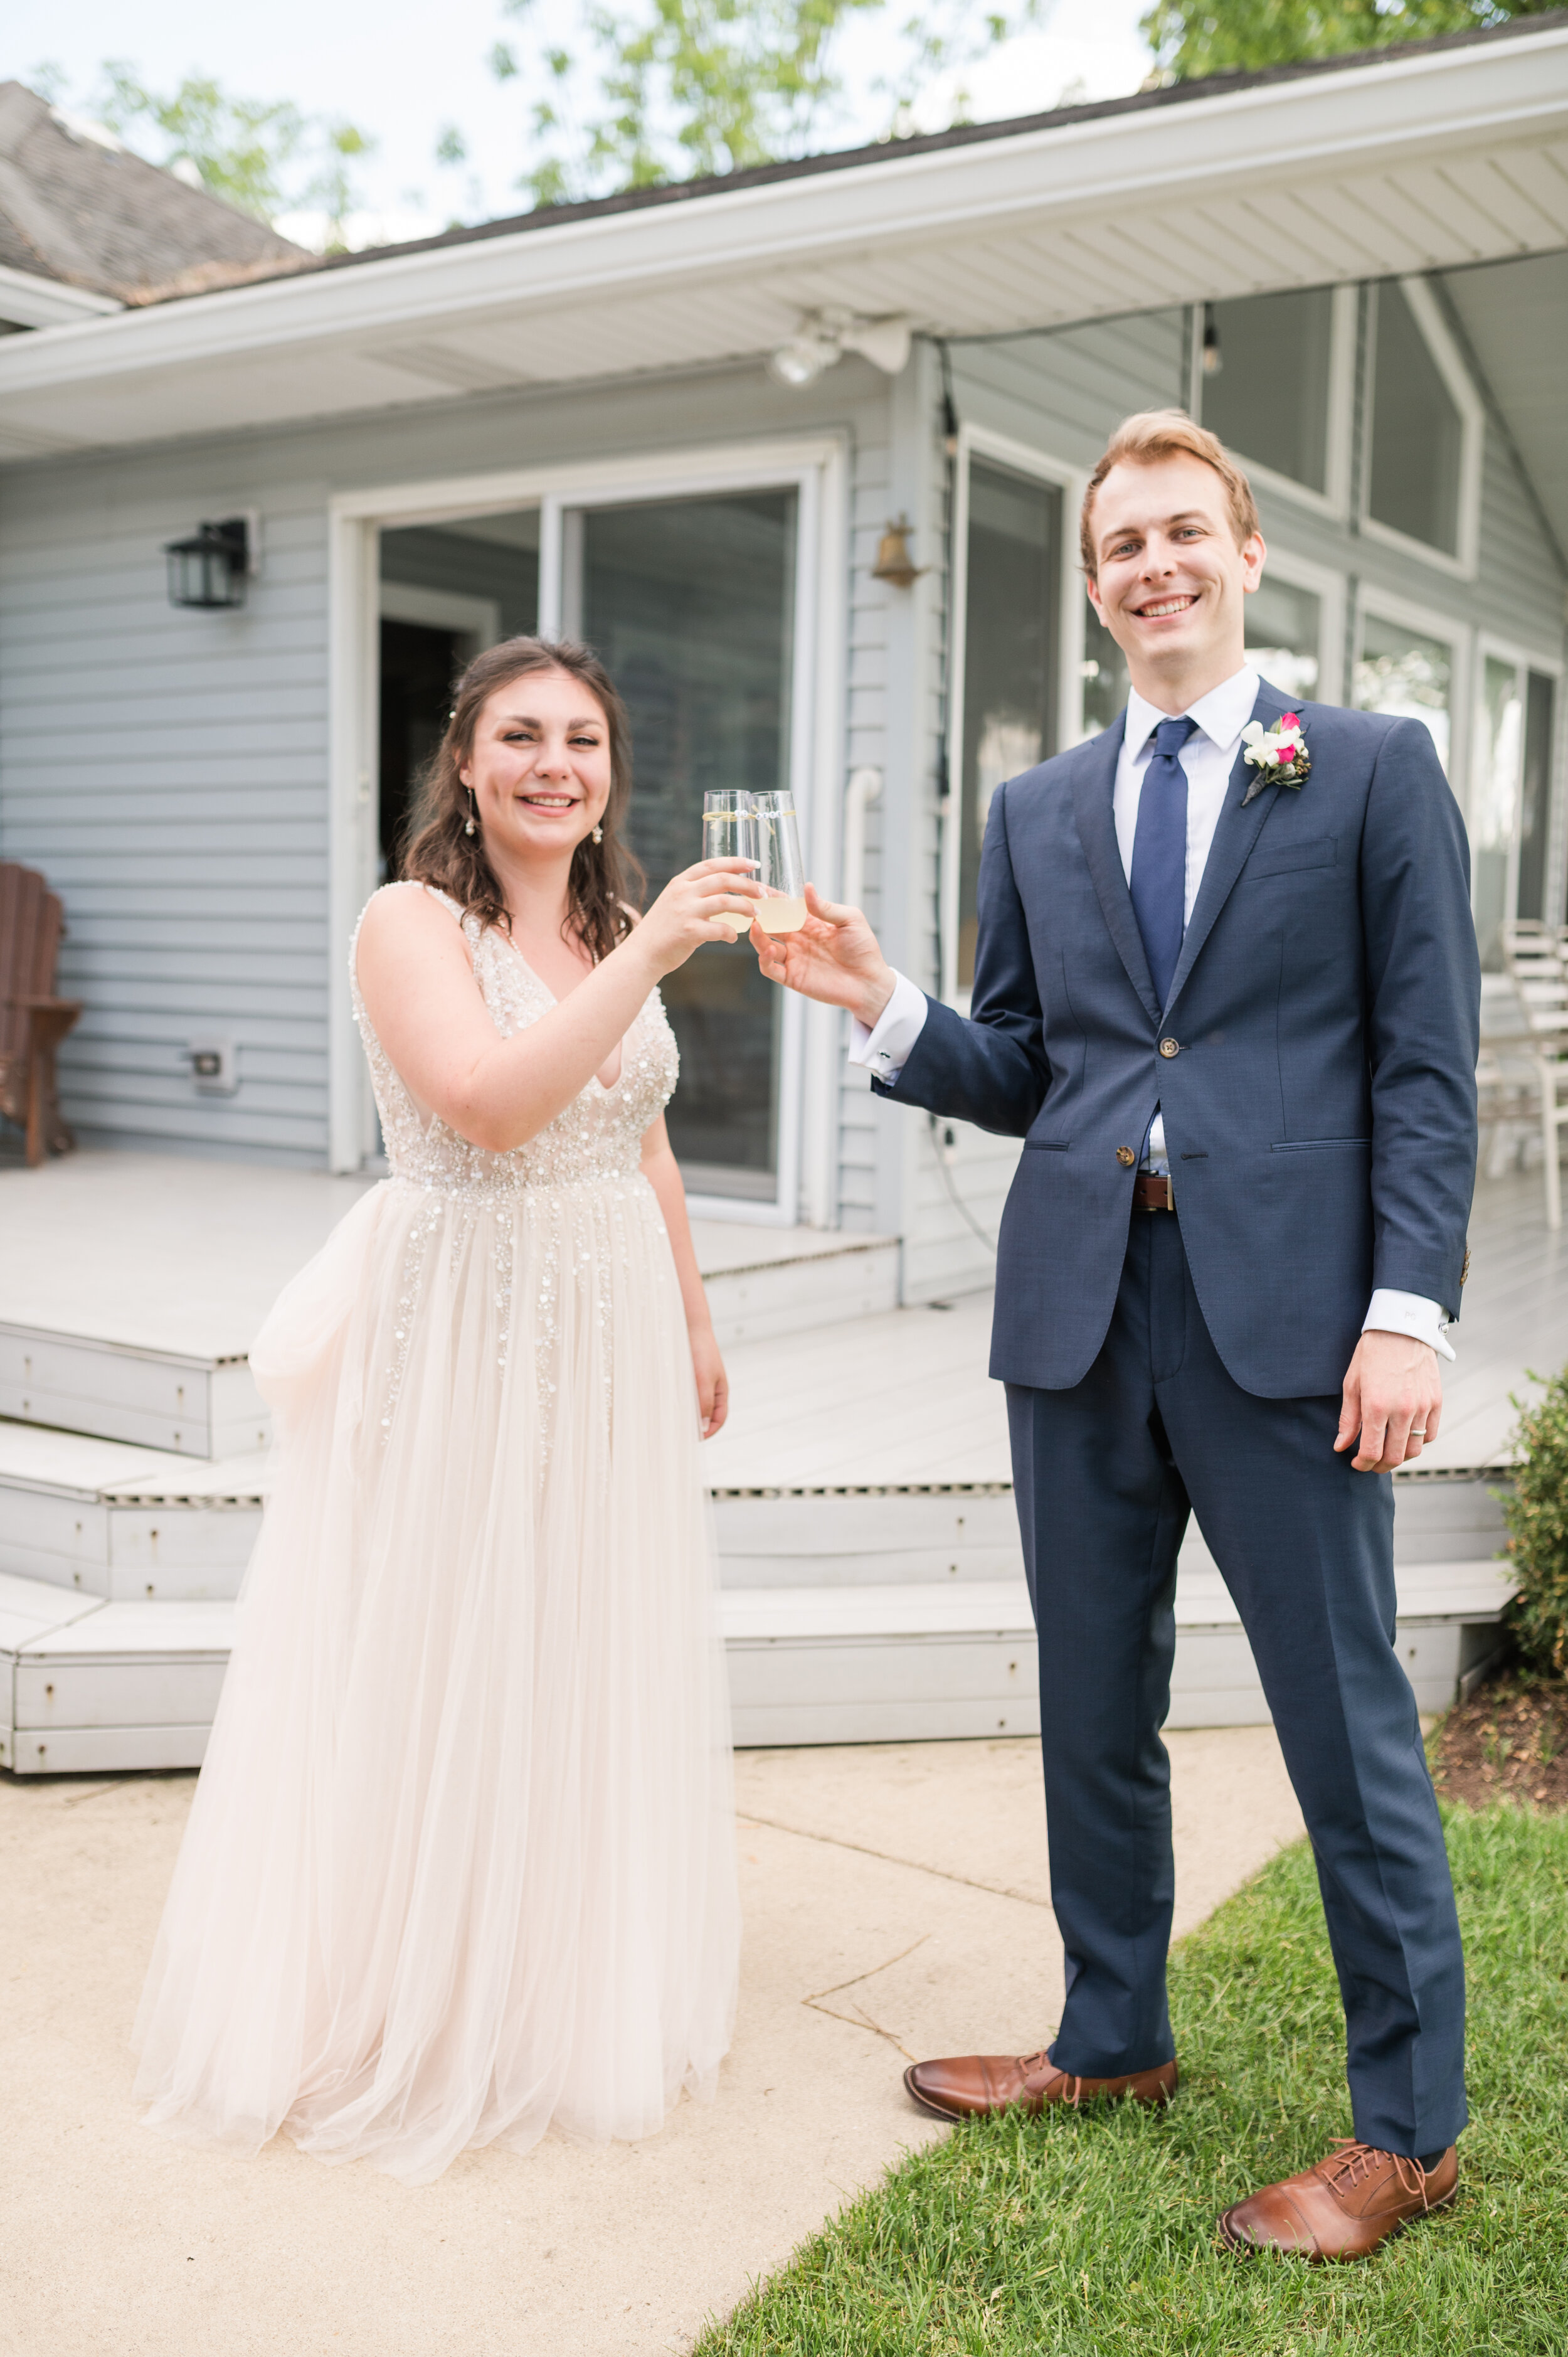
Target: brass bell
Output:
[(893, 562)]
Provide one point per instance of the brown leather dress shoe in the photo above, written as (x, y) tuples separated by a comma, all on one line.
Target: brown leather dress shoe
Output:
[(963, 2086), (1342, 2207)]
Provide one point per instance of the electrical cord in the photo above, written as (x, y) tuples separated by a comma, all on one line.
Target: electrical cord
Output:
[(942, 1142)]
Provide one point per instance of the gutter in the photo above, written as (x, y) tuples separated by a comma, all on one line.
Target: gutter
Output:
[(1440, 101)]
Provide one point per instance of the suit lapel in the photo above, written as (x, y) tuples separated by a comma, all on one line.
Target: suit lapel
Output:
[(1093, 789), (1234, 836)]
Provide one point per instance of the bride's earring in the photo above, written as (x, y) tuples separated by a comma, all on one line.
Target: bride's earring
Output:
[(471, 826), (598, 834)]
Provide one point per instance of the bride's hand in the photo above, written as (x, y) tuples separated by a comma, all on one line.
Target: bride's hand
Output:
[(713, 1384), (687, 912), (834, 957)]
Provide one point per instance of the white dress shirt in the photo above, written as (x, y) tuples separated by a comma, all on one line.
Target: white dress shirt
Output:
[(1207, 757)]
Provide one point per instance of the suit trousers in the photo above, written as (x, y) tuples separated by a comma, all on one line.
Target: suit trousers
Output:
[(1106, 1474)]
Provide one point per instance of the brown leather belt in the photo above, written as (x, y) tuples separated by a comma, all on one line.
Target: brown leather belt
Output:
[(1152, 1192)]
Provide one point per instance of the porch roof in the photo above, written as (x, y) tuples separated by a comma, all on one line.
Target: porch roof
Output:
[(1430, 157)]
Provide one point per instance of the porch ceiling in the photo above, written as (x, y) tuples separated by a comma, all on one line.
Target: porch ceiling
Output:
[(1424, 161), (1515, 316)]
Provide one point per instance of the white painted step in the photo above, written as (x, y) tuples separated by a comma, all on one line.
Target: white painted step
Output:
[(130, 1382), (763, 1281), (126, 1524), (95, 1685), (197, 1406)]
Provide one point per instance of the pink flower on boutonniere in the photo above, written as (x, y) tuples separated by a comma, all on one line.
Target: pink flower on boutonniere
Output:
[(1278, 755)]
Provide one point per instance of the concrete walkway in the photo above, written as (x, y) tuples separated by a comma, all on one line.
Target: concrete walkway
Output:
[(896, 1904)]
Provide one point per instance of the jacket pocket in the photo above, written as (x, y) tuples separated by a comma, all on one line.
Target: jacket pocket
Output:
[(1284, 858), (1318, 1145), (1047, 1145)]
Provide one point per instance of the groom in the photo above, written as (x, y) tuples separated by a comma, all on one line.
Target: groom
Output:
[(1227, 991)]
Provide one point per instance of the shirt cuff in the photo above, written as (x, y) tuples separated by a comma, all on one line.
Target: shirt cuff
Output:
[(887, 1047), (1409, 1313)]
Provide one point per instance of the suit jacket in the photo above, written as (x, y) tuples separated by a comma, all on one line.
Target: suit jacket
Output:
[(1318, 1068)]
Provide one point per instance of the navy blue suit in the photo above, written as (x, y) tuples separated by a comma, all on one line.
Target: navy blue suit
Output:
[(1317, 1087)]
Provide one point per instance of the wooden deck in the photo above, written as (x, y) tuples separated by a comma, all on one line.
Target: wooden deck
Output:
[(872, 1580)]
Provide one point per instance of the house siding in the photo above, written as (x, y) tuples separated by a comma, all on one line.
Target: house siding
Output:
[(168, 770)]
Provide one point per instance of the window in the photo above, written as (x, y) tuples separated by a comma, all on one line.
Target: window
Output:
[(1420, 458), (1013, 568), (1405, 671), (690, 603), (1105, 676), (1535, 800), (1268, 365), (1510, 803), (1285, 636)]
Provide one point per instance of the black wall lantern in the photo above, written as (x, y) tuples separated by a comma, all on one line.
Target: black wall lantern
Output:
[(212, 567)]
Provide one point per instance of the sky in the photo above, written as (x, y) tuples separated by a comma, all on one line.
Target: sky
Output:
[(401, 70)]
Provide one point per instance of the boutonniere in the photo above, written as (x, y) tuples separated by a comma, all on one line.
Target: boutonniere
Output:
[(1279, 755)]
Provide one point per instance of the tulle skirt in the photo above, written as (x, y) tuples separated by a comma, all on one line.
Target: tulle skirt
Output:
[(460, 1863)]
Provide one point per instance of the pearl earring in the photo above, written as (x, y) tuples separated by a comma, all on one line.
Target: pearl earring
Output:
[(470, 828), (598, 834)]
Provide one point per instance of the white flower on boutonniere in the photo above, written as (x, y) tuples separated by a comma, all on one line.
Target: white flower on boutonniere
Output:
[(1278, 755)]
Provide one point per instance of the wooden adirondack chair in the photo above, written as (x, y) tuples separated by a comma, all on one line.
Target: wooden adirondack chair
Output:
[(33, 1021)]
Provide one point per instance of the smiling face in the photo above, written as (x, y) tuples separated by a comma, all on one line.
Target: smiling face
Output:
[(1171, 580), (540, 769)]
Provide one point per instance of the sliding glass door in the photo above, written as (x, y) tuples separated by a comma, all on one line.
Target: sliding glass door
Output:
[(690, 603)]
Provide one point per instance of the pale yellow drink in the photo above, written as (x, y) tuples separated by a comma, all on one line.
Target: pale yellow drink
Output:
[(781, 913), (727, 834)]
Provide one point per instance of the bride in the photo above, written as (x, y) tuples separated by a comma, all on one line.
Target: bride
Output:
[(460, 1861)]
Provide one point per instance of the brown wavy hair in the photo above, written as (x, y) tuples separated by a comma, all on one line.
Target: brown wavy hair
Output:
[(606, 883)]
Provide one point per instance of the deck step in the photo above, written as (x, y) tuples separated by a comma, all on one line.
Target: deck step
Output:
[(126, 1524), (127, 1384), (173, 1400), (93, 1684)]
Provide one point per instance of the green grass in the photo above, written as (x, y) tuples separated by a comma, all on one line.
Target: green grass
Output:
[(1092, 2234)]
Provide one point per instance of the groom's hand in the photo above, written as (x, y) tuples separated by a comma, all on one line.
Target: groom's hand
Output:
[(834, 957), (1393, 1402)]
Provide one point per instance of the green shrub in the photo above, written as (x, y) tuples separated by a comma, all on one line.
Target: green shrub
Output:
[(1537, 1513)]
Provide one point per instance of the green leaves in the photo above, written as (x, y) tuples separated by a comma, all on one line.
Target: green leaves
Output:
[(1191, 38), (240, 149), (1536, 1514), (684, 89)]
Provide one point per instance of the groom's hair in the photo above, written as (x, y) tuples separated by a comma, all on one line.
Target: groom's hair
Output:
[(1155, 434)]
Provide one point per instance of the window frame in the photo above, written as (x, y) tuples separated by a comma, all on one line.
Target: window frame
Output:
[(1331, 590), (1333, 500), (1489, 646), (1458, 637), (1039, 466), (815, 465), (1433, 330)]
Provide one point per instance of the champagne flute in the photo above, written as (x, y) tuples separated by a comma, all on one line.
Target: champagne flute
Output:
[(729, 831), (782, 907)]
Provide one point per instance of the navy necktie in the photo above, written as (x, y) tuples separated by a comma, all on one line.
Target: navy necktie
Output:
[(1159, 854)]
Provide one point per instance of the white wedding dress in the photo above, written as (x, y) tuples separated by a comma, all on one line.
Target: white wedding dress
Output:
[(460, 1863)]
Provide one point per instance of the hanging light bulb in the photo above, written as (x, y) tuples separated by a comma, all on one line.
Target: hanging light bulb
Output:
[(1213, 358)]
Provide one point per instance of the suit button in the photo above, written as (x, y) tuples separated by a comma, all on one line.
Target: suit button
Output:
[(1170, 1047), (1127, 1157)]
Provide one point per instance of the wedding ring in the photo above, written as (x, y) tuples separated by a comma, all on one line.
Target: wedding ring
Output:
[(1418, 1432)]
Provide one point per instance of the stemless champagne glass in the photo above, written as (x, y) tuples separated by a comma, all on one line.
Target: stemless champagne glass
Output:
[(729, 831), (783, 874)]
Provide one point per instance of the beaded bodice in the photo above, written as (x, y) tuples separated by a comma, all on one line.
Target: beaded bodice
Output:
[(599, 1135)]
